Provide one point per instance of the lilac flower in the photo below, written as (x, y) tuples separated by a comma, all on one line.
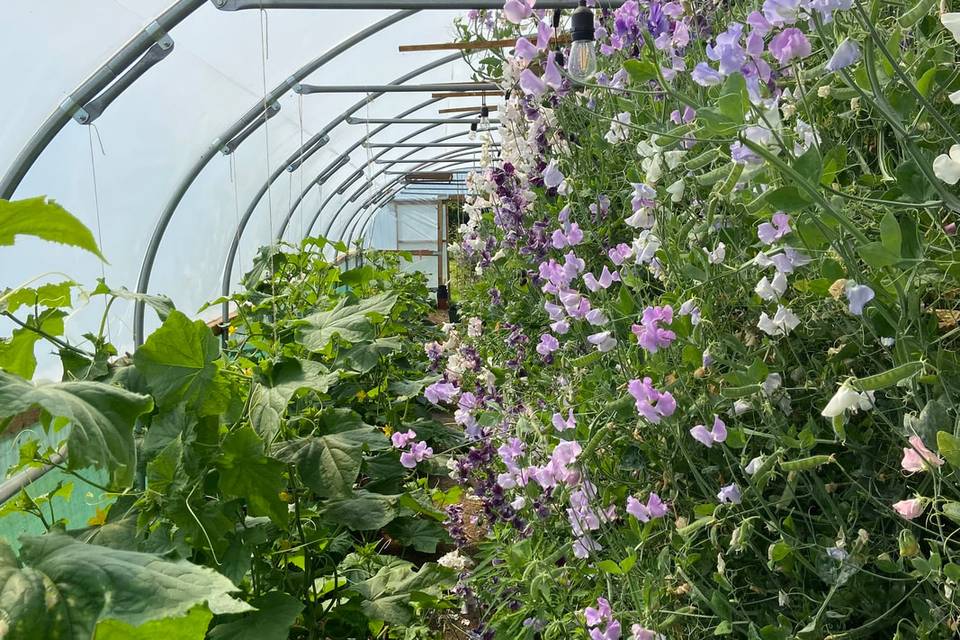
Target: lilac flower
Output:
[(705, 76), (552, 176), (611, 632), (584, 546), (525, 50), (562, 425), (759, 23), (606, 279), (548, 344), (598, 615), (531, 84), (400, 439), (654, 508), (784, 262), (650, 335), (551, 72), (727, 50), (516, 11), (687, 116), (709, 437), (718, 255), (560, 326), (651, 403), (789, 44), (603, 341), (739, 152), (782, 323), (858, 295), (779, 226), (847, 53), (596, 317), (730, 494), (639, 632), (620, 253), (689, 308), (544, 33), (440, 392), (781, 12), (417, 453)]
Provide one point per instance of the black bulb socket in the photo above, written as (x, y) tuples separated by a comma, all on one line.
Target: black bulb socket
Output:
[(582, 24)]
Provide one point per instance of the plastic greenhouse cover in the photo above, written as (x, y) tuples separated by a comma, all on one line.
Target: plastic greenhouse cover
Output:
[(118, 174)]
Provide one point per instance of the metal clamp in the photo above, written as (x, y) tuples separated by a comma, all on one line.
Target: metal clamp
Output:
[(159, 36), (74, 110)]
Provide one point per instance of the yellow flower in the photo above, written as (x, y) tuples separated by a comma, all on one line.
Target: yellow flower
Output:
[(98, 520), (387, 430)]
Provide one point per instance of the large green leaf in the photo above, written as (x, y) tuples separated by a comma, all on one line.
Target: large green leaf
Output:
[(350, 322), (61, 588), (363, 511), (161, 304), (101, 418), (389, 594), (329, 464), (17, 353), (422, 535), (192, 626), (179, 361), (364, 357), (245, 472), (276, 611), (44, 219), (269, 397)]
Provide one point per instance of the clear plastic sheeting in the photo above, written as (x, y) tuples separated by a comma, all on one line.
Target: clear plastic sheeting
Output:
[(118, 174)]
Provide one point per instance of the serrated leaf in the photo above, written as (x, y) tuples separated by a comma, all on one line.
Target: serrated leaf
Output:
[(245, 472), (101, 418), (178, 361), (421, 535), (192, 626), (388, 594), (363, 511), (270, 397), (349, 322), (61, 588), (161, 304), (363, 358), (44, 219), (330, 464), (276, 612)]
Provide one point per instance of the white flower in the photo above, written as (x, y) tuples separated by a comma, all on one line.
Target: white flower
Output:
[(455, 561), (642, 219), (645, 246), (771, 384), (718, 255), (676, 191), (847, 399), (772, 290), (947, 167), (955, 97), (474, 327), (754, 465), (782, 323), (674, 158), (952, 22), (619, 128)]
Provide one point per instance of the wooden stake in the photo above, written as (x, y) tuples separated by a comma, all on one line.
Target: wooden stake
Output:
[(476, 44), (467, 109)]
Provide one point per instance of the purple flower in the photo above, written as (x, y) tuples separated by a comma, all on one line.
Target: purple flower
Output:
[(560, 326), (562, 425), (400, 439), (418, 453), (548, 344), (709, 437), (551, 72), (727, 50), (440, 392), (651, 403), (789, 44), (858, 295), (611, 632), (847, 53), (525, 50), (779, 226), (650, 335), (516, 11), (759, 23), (544, 33), (531, 84), (606, 279), (620, 253), (689, 308), (705, 76), (552, 176), (600, 614), (687, 116), (654, 508), (781, 12), (730, 494)]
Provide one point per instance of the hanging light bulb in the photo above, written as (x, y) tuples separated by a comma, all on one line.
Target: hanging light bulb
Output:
[(583, 55)]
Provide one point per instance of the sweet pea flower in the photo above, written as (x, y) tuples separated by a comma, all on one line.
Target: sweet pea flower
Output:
[(525, 50), (606, 279), (611, 632), (909, 509), (400, 439), (730, 494), (847, 53), (596, 317), (705, 76), (584, 546), (917, 457), (475, 327), (516, 11), (783, 322), (789, 44), (683, 118), (544, 33), (781, 12), (759, 23), (653, 509), (650, 336), (952, 22), (718, 255), (560, 326), (779, 226), (548, 344), (417, 453), (847, 399), (596, 616), (531, 84), (858, 295), (689, 308), (772, 290), (440, 392), (563, 425), (552, 176), (639, 632), (551, 72), (603, 341), (754, 465), (947, 166), (620, 253), (619, 128), (651, 403), (709, 437)]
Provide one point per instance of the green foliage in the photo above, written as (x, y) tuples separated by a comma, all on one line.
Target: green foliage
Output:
[(44, 219)]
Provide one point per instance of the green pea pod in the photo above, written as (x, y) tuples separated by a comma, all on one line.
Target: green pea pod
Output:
[(887, 378), (583, 361), (595, 441), (839, 428), (843, 93), (673, 618), (732, 393), (805, 464), (916, 13), (713, 176), (691, 529), (727, 187), (703, 159), (674, 136), (620, 404), (757, 205)]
